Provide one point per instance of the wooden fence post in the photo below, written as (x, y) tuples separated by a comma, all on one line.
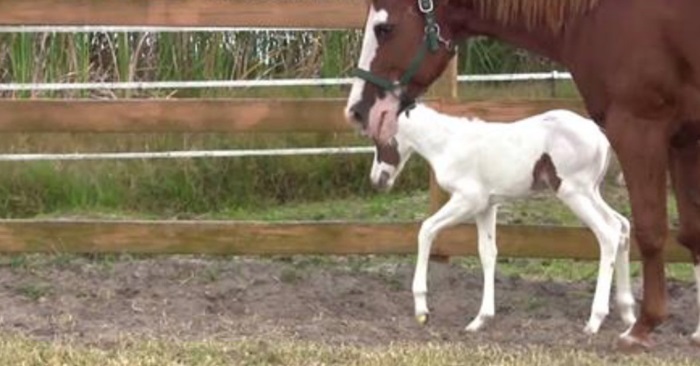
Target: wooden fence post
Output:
[(445, 89)]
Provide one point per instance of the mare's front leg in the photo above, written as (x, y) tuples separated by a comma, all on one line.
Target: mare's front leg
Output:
[(453, 212), (486, 227), (642, 147), (685, 175)]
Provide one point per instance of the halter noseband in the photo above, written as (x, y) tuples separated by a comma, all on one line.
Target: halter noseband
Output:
[(431, 43)]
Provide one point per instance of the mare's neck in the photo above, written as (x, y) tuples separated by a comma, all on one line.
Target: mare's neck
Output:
[(539, 38)]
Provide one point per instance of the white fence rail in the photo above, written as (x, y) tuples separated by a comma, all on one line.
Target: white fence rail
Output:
[(142, 29), (554, 75), (190, 154)]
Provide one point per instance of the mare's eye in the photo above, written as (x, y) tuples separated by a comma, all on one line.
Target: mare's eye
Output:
[(383, 30)]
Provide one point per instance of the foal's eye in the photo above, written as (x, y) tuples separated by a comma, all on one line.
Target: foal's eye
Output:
[(383, 30)]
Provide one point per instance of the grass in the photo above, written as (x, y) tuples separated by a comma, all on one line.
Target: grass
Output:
[(26, 352), (394, 206), (34, 291), (413, 206)]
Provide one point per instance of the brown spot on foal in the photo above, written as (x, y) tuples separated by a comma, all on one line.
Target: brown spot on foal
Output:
[(544, 174), (388, 153)]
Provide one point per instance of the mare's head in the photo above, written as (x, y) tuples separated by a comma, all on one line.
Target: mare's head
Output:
[(389, 160), (406, 46)]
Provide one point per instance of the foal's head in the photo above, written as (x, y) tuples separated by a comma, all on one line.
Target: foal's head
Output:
[(389, 160), (406, 46)]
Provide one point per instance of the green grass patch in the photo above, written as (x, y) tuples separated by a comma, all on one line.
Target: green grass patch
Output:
[(34, 290), (135, 352), (569, 269)]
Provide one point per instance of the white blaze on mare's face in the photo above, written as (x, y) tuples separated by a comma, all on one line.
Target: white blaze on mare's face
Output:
[(369, 50), (383, 110)]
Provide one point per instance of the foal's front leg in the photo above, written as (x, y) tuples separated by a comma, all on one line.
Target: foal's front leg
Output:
[(453, 212), (486, 227)]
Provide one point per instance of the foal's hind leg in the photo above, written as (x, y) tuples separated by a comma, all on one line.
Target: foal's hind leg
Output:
[(453, 212), (623, 288), (486, 226), (685, 175), (584, 206)]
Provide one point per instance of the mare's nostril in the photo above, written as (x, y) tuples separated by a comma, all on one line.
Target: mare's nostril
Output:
[(354, 115)]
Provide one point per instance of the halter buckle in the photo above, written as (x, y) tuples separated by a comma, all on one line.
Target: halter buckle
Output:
[(426, 6), (432, 28)]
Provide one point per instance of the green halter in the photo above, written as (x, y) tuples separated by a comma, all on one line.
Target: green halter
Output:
[(431, 43)]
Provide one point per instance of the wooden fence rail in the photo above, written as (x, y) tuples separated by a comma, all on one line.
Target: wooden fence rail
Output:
[(322, 14), (290, 238), (223, 115)]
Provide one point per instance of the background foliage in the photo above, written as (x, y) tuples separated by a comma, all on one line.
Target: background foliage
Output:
[(189, 186)]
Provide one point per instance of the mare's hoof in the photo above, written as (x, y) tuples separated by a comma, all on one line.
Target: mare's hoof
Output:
[(631, 344), (422, 319)]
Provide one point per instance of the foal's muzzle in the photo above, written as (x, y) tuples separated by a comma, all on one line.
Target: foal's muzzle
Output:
[(383, 183)]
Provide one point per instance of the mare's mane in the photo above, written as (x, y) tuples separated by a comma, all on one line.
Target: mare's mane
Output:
[(552, 13)]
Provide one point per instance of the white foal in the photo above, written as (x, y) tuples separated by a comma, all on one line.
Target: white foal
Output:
[(482, 164)]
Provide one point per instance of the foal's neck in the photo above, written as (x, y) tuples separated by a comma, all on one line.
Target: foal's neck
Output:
[(428, 131)]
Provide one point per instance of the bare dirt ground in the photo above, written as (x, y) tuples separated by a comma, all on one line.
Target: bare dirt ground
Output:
[(334, 301)]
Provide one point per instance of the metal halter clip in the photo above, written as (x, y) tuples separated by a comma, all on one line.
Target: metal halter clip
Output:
[(426, 6)]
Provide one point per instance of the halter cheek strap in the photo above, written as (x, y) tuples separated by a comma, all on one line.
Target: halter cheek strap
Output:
[(431, 42)]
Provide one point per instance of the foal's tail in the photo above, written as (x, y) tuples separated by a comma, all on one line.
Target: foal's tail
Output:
[(605, 153)]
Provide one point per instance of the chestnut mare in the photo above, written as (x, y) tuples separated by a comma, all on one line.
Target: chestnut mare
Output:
[(635, 62)]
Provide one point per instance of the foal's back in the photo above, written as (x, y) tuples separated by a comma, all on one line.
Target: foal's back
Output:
[(518, 158)]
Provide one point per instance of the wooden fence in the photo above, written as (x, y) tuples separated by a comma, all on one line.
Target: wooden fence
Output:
[(247, 115)]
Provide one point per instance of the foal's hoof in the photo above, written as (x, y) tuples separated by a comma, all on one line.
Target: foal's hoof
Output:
[(695, 339), (478, 323), (629, 319), (631, 344), (422, 319), (591, 329)]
